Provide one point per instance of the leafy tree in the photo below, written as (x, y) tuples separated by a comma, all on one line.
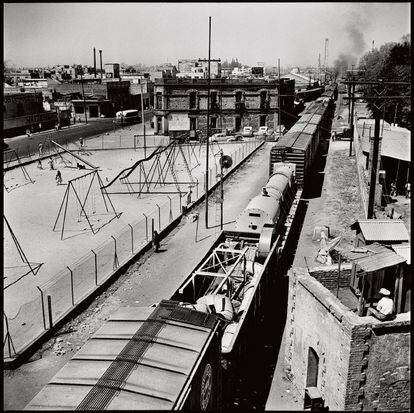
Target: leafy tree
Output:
[(391, 62)]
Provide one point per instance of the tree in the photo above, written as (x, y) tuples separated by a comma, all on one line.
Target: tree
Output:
[(391, 62)]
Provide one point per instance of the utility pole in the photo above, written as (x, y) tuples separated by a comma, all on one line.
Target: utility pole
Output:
[(143, 121), (208, 119), (278, 100), (375, 155), (374, 164), (351, 104), (83, 94)]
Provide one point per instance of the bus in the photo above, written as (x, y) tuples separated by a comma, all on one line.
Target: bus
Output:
[(127, 116)]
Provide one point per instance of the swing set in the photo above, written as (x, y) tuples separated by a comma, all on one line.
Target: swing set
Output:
[(17, 271), (13, 180), (148, 175), (85, 199)]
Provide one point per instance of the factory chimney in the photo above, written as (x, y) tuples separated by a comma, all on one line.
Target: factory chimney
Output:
[(373, 45), (94, 62), (100, 57)]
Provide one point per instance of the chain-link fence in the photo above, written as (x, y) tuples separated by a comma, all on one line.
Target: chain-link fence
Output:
[(75, 282)]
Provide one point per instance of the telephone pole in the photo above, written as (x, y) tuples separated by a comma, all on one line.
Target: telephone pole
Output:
[(208, 118), (375, 155)]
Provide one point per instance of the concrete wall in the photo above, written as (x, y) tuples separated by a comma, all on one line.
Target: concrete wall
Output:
[(363, 362)]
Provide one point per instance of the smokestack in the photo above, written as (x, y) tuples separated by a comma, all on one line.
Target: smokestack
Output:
[(373, 45), (100, 57), (94, 62)]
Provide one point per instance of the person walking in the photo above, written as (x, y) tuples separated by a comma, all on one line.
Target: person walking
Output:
[(51, 164), (393, 189), (39, 164), (29, 135), (40, 149), (58, 178), (81, 141)]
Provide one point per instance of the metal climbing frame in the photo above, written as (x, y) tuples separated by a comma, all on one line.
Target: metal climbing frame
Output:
[(158, 169)]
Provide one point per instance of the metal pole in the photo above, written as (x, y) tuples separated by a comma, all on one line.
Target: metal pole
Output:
[(352, 120), (49, 309), (278, 99), (83, 94), (43, 308), (159, 217), (208, 118), (143, 122), (132, 238), (171, 214), (96, 267), (221, 190), (71, 285), (374, 162), (146, 226)]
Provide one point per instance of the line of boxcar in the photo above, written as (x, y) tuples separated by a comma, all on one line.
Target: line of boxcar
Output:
[(188, 352), (300, 144)]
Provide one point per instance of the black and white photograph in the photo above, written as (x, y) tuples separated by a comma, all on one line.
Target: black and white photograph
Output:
[(207, 206)]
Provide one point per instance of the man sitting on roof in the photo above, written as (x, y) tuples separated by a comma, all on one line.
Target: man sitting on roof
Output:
[(385, 306)]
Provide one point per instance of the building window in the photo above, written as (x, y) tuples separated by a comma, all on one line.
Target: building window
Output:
[(158, 101), (263, 120), (213, 123), (78, 109), (193, 124), (213, 100), (239, 96), (193, 100)]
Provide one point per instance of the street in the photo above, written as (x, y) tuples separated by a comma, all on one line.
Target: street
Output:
[(25, 146)]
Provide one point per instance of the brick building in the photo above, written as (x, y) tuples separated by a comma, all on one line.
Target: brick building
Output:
[(349, 362), (180, 105), (24, 110)]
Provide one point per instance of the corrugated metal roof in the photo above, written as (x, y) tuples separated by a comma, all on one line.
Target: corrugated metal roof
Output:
[(159, 376), (378, 257), (396, 142), (404, 250), (382, 229)]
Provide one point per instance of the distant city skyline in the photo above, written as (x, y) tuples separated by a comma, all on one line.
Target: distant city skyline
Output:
[(47, 34)]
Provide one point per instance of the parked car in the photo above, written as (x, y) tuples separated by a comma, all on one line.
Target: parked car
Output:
[(218, 137), (234, 138), (247, 131), (263, 130)]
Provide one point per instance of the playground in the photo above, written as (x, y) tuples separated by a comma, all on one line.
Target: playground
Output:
[(64, 236)]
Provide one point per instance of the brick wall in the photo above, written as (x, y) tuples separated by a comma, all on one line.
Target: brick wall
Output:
[(315, 319), (363, 362), (328, 275)]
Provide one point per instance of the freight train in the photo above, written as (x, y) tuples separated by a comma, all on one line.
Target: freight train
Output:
[(300, 144), (188, 352)]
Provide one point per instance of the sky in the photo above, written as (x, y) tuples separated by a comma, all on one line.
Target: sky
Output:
[(41, 34)]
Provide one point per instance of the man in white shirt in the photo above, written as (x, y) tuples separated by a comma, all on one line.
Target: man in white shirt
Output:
[(385, 306)]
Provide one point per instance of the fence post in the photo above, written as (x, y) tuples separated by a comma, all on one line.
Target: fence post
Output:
[(49, 309), (8, 337), (159, 217), (116, 262), (96, 267), (43, 307), (132, 237), (146, 226), (171, 214), (71, 285)]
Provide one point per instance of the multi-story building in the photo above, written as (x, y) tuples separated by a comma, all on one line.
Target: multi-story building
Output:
[(24, 110), (112, 70), (198, 68), (181, 104)]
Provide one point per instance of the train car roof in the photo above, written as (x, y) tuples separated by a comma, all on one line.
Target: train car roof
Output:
[(142, 358)]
